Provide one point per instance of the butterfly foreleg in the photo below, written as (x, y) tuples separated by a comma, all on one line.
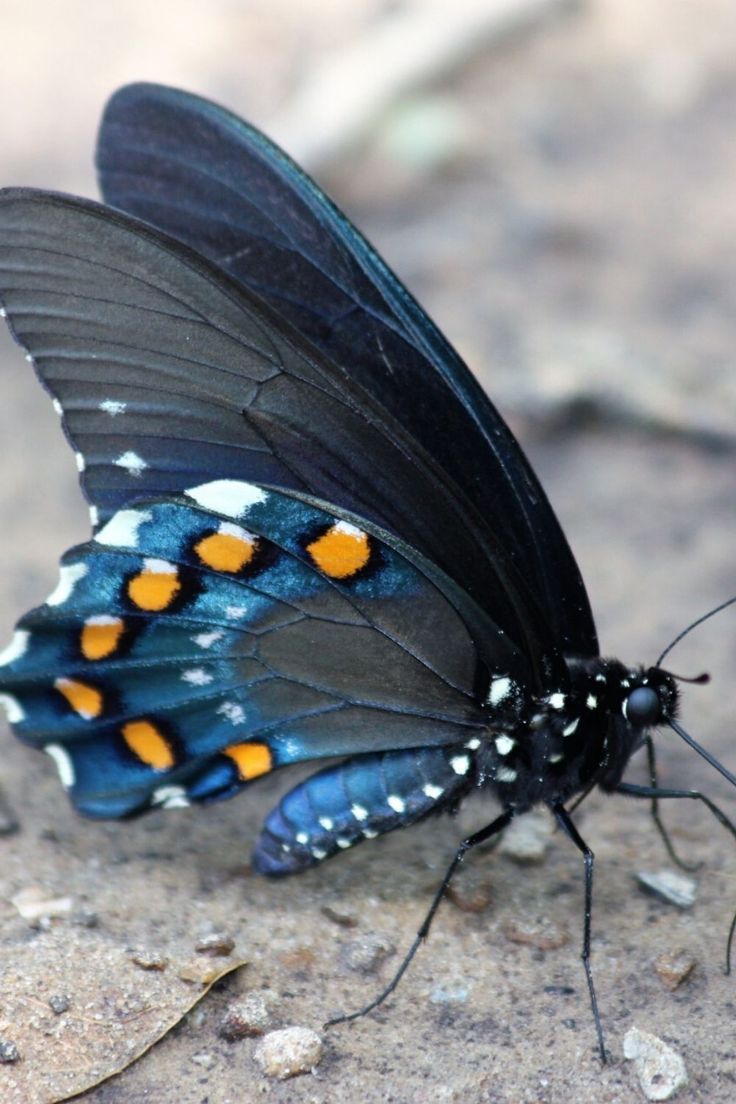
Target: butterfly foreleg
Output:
[(654, 808)]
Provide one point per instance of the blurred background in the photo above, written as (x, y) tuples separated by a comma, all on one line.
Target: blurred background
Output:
[(555, 182)]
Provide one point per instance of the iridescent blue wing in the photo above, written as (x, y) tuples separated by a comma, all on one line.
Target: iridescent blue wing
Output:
[(200, 641), (211, 180), (168, 374)]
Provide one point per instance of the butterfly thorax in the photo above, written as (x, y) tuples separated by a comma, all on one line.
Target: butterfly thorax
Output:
[(548, 748)]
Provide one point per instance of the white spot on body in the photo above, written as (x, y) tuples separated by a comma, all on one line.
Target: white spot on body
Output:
[(233, 711), (359, 812), (29, 358), (571, 727), (460, 764), (600, 677), (207, 639), (506, 774), (556, 701), (64, 764), (555, 757), (121, 530), (591, 701), (197, 676), (80, 462), (302, 838), (14, 711), (112, 407), (94, 516), (227, 496), (499, 689), (504, 744), (134, 464), (327, 823), (69, 576), (432, 792), (58, 408), (397, 803), (170, 797), (16, 648), (473, 743)]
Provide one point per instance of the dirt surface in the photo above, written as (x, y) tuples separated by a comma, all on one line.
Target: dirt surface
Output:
[(568, 218)]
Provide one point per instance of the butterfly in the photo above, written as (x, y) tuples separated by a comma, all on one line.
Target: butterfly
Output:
[(313, 535)]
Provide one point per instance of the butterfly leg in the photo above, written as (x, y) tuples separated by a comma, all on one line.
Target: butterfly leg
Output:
[(632, 790), (563, 819), (467, 844), (664, 834)]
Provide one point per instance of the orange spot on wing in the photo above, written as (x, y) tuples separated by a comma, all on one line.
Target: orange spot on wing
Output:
[(250, 759), (84, 700), (100, 637), (155, 587), (342, 551), (226, 551), (147, 743)]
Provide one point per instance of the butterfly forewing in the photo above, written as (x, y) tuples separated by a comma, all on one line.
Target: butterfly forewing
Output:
[(213, 181)]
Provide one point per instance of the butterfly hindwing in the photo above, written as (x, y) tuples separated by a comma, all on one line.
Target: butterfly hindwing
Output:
[(200, 641), (211, 180)]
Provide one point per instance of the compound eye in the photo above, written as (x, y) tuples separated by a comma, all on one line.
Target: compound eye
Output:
[(643, 707)]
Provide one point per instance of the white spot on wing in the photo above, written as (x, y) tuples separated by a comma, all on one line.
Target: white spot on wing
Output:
[(69, 576), (397, 803), (207, 639), (227, 496), (499, 689), (342, 842), (233, 711), (318, 854), (591, 701), (158, 567), (504, 744), (460, 764), (16, 648), (197, 676), (472, 744), (14, 711), (170, 797), (234, 613), (348, 529), (112, 407), (569, 729), (121, 530), (132, 463), (556, 701), (64, 764)]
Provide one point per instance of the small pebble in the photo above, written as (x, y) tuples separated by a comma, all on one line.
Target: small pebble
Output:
[(366, 954), (85, 918), (670, 885), (245, 1017), (8, 1052), (544, 935), (342, 919), (527, 837), (288, 1052), (148, 960), (218, 944), (59, 1003), (200, 971), (34, 904), (470, 890), (660, 1069), (673, 967), (204, 1059)]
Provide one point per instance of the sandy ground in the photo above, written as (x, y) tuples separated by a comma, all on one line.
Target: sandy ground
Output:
[(568, 217)]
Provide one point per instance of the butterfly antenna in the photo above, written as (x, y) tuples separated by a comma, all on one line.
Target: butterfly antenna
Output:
[(702, 751), (694, 625)]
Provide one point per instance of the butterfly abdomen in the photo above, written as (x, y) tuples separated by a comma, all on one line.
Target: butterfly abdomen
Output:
[(359, 799)]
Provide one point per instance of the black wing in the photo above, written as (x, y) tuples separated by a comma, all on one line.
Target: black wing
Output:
[(168, 375), (211, 180)]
